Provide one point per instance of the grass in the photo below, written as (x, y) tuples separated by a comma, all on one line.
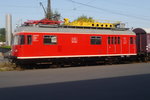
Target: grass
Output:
[(6, 66)]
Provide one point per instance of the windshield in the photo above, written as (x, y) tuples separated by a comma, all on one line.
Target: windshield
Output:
[(19, 40)]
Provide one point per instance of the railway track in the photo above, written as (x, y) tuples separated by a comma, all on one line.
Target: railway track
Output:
[(6, 63), (46, 66)]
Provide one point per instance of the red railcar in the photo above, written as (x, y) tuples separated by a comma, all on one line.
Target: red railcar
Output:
[(35, 44)]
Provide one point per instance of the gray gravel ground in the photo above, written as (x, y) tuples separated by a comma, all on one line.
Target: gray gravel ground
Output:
[(2, 60)]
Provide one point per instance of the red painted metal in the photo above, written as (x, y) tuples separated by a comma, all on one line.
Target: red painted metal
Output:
[(43, 21), (73, 45)]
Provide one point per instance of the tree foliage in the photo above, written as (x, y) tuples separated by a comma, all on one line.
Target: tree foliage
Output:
[(85, 19), (56, 16), (2, 34)]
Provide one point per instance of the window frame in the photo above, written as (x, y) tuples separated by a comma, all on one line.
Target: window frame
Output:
[(16, 40), (109, 40), (119, 40), (29, 40), (45, 42), (131, 40), (96, 40), (116, 40), (112, 40), (21, 40)]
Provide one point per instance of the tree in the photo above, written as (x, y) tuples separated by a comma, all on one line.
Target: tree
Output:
[(2, 34), (56, 16), (85, 19)]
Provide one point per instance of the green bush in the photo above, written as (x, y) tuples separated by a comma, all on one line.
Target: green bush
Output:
[(6, 47)]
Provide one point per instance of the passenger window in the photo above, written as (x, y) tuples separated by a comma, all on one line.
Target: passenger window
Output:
[(29, 39), (95, 40), (115, 40), (118, 40), (109, 41), (21, 40), (49, 39)]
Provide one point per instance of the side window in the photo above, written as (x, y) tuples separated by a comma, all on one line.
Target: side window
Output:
[(118, 40), (109, 40), (49, 39), (115, 40), (112, 40), (21, 40), (95, 40), (131, 40), (29, 39)]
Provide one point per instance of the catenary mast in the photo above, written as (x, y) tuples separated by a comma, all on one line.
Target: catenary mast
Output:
[(49, 11)]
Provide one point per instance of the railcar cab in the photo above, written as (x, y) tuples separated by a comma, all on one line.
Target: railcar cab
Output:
[(19, 42)]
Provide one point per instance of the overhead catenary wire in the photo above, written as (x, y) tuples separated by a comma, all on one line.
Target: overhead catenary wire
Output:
[(109, 11), (86, 3)]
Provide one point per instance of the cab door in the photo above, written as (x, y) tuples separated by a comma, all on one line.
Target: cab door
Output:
[(125, 45), (111, 45), (118, 45), (132, 45), (17, 47)]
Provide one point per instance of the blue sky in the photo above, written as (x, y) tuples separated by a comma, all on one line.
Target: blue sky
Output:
[(135, 13)]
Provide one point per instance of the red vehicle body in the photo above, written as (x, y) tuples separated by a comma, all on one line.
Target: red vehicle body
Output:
[(44, 44)]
